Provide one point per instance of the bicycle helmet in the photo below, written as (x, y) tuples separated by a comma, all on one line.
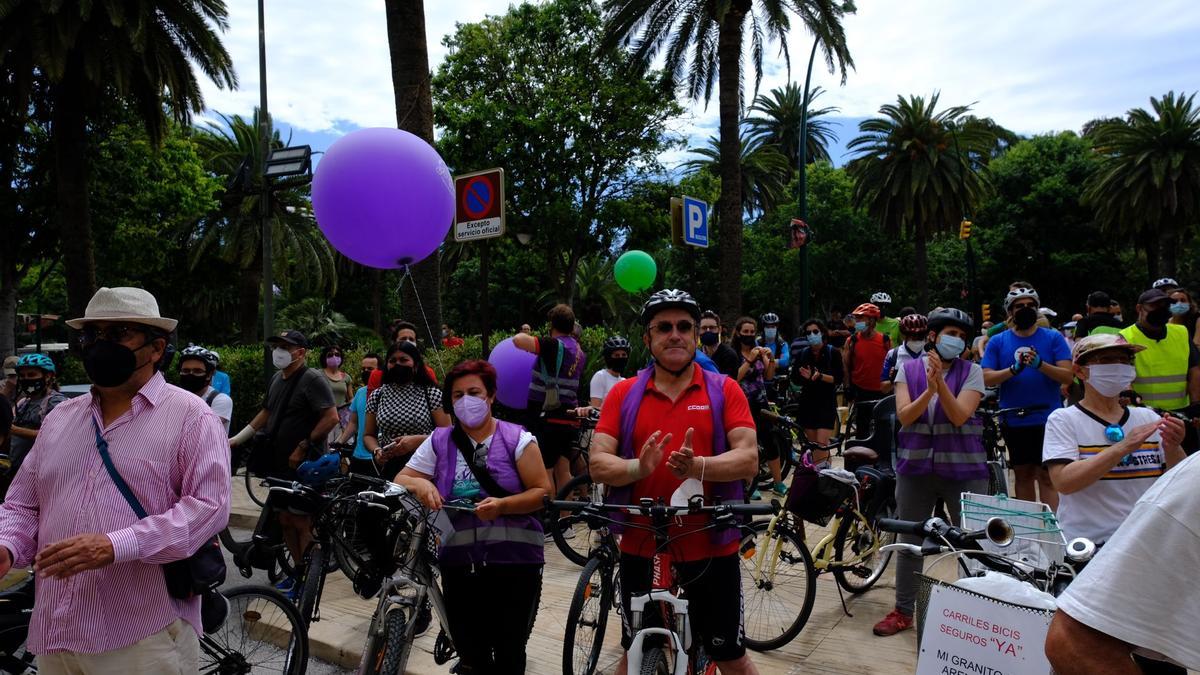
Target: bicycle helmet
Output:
[(769, 319), (949, 316), (1165, 282), (197, 352), (216, 356), (615, 343), (670, 298), (1018, 293), (914, 324), (881, 298), (866, 309), (36, 361)]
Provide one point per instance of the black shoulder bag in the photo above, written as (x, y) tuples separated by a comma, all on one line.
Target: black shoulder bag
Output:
[(262, 453), (198, 574), (476, 460)]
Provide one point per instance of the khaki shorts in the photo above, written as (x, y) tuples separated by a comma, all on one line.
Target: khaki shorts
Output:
[(174, 650)]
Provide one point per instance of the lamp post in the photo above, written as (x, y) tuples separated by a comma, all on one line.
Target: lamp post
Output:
[(802, 160), (264, 201)]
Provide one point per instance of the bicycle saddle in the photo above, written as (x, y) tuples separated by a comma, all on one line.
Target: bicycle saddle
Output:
[(860, 455)]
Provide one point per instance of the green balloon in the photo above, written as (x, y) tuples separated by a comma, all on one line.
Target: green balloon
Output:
[(635, 271)]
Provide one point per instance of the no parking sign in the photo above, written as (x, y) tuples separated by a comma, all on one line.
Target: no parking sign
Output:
[(479, 205)]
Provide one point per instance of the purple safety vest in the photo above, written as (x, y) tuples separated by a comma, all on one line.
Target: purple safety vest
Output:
[(727, 491), (507, 540), (935, 445)]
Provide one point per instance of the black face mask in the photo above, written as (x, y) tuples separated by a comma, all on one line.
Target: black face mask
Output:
[(398, 375), (709, 339), (1158, 317), (748, 340), (110, 364), (193, 383), (1025, 317), (31, 387), (617, 365)]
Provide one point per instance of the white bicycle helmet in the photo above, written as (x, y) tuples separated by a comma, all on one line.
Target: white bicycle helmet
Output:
[(670, 298), (769, 319), (881, 297), (1165, 282), (1018, 293), (197, 352)]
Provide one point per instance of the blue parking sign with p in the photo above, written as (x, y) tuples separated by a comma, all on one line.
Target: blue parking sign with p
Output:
[(695, 222)]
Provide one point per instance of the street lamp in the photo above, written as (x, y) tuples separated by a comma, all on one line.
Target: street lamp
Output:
[(524, 238), (292, 161)]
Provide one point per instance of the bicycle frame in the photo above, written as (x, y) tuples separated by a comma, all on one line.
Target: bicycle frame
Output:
[(822, 551), (680, 642)]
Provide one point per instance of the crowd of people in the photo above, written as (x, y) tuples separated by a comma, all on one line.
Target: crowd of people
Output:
[(1104, 401)]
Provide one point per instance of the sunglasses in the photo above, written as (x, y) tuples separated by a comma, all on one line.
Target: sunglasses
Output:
[(665, 327), (118, 333), (814, 332)]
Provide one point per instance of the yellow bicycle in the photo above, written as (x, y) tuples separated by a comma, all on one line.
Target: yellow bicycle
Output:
[(779, 572)]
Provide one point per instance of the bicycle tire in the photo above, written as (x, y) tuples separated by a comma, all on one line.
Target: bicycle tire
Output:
[(655, 662), (579, 548), (769, 622), (396, 645), (254, 487), (313, 573), (593, 591), (858, 533), (238, 646)]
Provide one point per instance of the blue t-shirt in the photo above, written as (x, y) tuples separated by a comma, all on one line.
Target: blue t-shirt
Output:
[(358, 406), (220, 382), (1029, 387)]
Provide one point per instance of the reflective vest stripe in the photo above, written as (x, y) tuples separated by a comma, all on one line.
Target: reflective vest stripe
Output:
[(1162, 367)]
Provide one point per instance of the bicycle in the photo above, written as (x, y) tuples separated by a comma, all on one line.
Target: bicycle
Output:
[(572, 536), (994, 445), (655, 650), (779, 571), (411, 585)]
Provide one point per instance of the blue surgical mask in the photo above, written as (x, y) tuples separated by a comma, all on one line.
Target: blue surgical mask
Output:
[(814, 339), (860, 326), (770, 333), (1180, 308), (950, 347)]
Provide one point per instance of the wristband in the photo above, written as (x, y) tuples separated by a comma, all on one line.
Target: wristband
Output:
[(703, 463), (633, 468), (242, 436)]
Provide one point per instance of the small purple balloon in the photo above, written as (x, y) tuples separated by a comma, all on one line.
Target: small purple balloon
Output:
[(514, 372), (383, 197)]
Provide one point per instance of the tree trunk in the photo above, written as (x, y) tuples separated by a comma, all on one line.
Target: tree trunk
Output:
[(729, 205), (8, 305), (1150, 243), (69, 131), (249, 294), (1168, 250), (921, 253), (421, 301)]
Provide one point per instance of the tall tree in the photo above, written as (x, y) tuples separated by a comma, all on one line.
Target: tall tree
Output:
[(93, 51), (232, 151), (703, 44), (779, 118), (765, 171), (422, 299), (916, 171), (1148, 184)]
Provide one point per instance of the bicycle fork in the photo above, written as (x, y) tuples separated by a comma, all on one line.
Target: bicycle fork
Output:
[(678, 642), (772, 551)]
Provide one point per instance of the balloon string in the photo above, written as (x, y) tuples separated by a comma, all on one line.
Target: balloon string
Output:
[(437, 353)]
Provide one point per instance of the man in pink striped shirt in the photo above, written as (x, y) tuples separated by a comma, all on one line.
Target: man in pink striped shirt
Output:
[(102, 602)]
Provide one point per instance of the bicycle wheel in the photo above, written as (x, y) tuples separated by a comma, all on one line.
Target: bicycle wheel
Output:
[(571, 533), (587, 619), (395, 643), (778, 584), (255, 488), (655, 662), (314, 572), (858, 562), (263, 634)]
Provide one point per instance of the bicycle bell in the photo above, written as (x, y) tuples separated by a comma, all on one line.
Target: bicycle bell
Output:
[(1080, 550)]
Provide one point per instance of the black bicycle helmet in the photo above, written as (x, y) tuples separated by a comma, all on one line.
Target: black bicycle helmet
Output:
[(615, 343), (769, 319), (949, 316), (670, 298), (197, 352)]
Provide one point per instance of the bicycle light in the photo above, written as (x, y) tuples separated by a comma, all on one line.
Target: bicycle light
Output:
[(999, 532)]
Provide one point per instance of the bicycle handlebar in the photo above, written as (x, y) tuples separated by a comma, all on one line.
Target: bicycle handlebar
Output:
[(695, 506), (1018, 411)]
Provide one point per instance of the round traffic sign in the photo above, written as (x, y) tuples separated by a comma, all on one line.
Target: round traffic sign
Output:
[(478, 197)]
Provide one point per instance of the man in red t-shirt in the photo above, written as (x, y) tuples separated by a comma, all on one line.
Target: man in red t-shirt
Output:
[(403, 332), (673, 430), (864, 353)]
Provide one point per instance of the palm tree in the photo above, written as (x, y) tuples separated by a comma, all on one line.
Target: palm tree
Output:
[(232, 150), (1148, 183), (780, 123), (91, 52), (916, 171), (703, 44), (598, 298), (316, 318), (765, 171)]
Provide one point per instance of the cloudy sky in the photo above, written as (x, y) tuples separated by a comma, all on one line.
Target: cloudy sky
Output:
[(1034, 66)]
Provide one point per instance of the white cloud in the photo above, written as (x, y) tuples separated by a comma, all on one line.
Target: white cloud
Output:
[(1033, 66)]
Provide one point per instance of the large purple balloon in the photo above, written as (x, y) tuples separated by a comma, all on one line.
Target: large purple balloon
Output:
[(383, 197), (514, 372)]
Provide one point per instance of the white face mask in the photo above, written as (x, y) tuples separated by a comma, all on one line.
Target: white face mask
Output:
[(915, 346), (1110, 379), (281, 358)]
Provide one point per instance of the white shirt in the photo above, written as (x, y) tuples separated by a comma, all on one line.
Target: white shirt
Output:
[(1141, 587), (222, 405), (424, 460), (1098, 510), (602, 383)]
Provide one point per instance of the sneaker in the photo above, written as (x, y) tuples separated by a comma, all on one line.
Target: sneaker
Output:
[(780, 489), (287, 585), (893, 623), (757, 496), (569, 534)]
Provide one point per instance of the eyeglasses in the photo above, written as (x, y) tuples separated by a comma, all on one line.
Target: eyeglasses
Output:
[(710, 329), (117, 333), (197, 371), (814, 332), (665, 327)]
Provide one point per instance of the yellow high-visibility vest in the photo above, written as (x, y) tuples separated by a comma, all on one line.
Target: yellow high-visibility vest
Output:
[(1162, 369)]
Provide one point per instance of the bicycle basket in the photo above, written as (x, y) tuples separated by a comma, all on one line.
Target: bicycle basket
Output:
[(815, 497), (1037, 538)]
